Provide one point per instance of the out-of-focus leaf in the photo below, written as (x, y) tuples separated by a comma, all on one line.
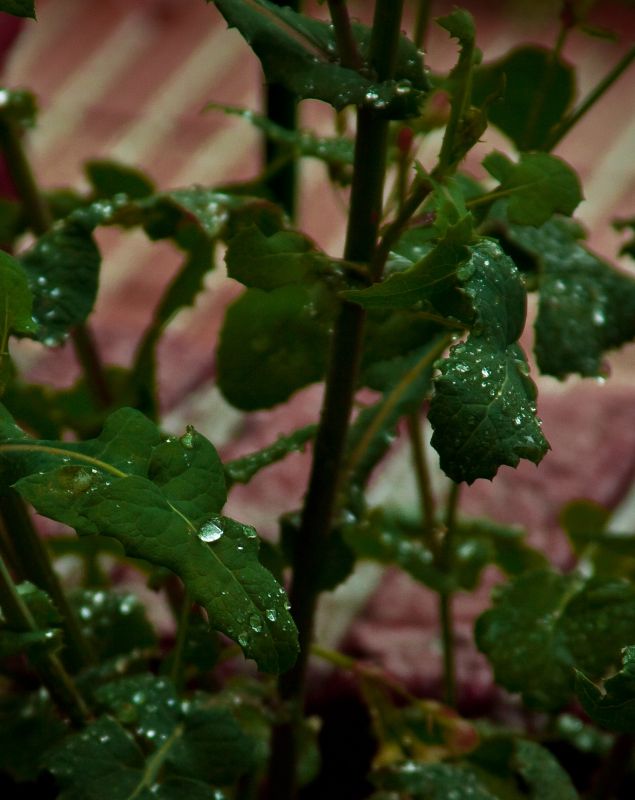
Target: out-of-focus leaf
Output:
[(538, 91), (586, 306), (614, 707), (544, 624), (108, 178), (272, 344), (243, 469)]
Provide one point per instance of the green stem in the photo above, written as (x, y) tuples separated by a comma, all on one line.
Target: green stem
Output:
[(422, 475), (35, 565), (50, 668), (422, 23), (176, 672), (344, 39), (445, 600), (590, 100), (281, 108), (341, 383), (40, 221)]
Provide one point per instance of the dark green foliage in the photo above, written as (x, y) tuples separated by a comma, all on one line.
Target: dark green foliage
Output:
[(483, 411), (586, 306), (614, 707), (540, 185), (544, 624), (46, 638), (538, 91), (160, 497), (15, 310), (300, 53)]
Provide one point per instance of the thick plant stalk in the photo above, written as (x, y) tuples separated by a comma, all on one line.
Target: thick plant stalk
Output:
[(341, 382), (281, 108)]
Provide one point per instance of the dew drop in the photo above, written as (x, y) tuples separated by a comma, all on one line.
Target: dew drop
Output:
[(187, 440), (209, 532), (255, 623), (460, 367), (271, 614), (243, 639)]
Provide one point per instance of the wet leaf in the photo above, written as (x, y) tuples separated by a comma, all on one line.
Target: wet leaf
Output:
[(431, 280), (483, 410), (15, 310), (300, 53), (586, 306), (540, 185), (114, 622), (544, 624), (160, 498), (243, 469), (334, 151)]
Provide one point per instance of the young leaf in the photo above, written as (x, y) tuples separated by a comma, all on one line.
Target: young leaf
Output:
[(334, 151), (272, 344), (108, 178), (614, 708), (269, 262), (539, 184), (19, 8), (543, 624), (160, 498), (299, 53), (243, 469), (528, 110), (586, 306), (430, 280), (483, 411)]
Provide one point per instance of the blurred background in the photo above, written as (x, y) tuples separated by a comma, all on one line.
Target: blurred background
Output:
[(129, 81)]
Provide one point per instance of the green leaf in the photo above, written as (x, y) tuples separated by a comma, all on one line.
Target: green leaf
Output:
[(541, 771), (544, 624), (205, 743), (19, 8), (160, 499), (300, 53), (586, 306), (530, 108), (335, 151), (460, 25), (243, 469), (29, 726), (433, 782), (108, 178), (270, 262), (47, 638), (380, 537), (63, 272), (483, 412), (272, 344), (430, 280), (613, 708), (480, 542), (539, 184), (114, 623)]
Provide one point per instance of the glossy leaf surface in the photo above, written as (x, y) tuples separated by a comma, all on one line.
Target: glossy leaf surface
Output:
[(160, 498)]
